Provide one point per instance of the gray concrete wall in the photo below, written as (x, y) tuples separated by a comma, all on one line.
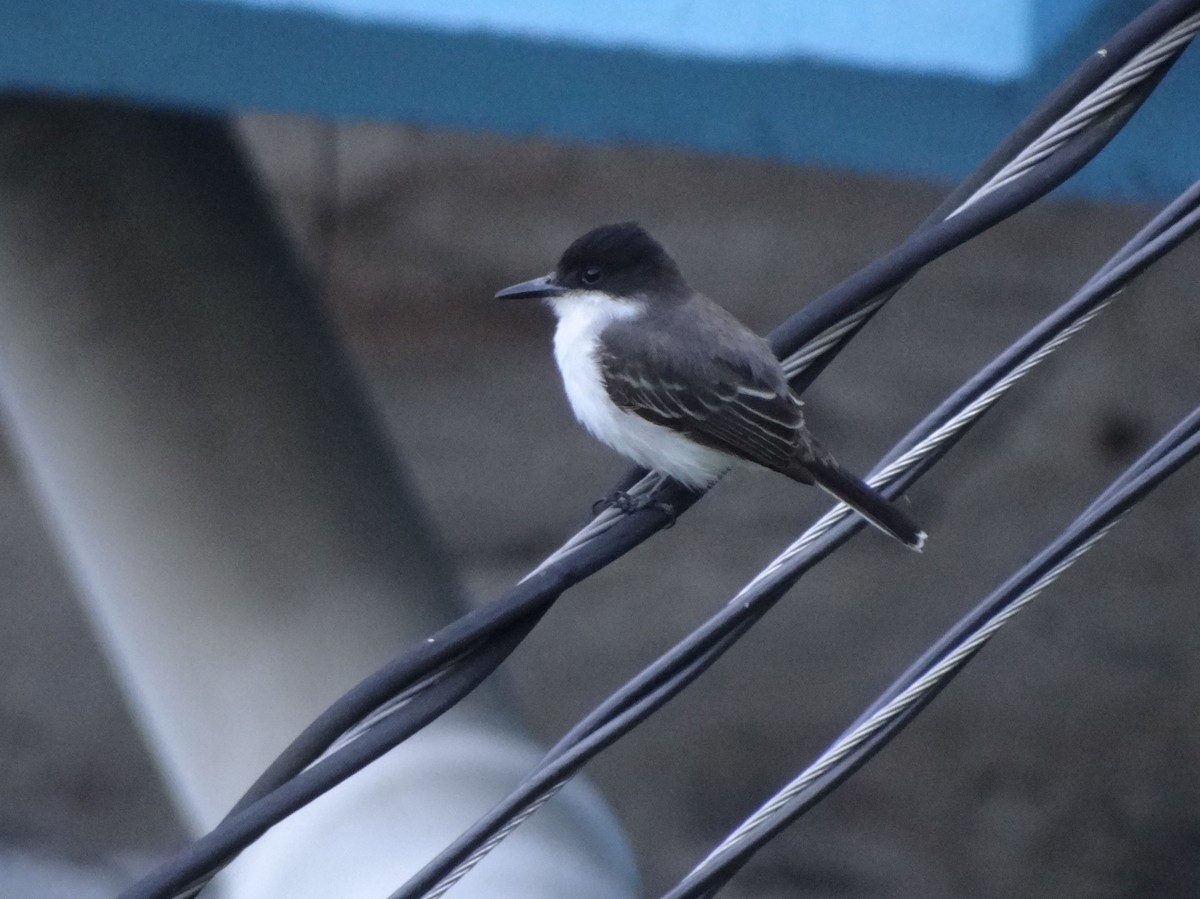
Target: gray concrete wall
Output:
[(1063, 762)]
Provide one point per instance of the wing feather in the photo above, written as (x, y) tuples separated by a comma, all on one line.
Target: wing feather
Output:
[(726, 393), (719, 402)]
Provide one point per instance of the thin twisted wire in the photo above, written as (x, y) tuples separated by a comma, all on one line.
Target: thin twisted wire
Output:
[(608, 517), (931, 680), (821, 343), (1109, 93), (392, 705), (498, 837)]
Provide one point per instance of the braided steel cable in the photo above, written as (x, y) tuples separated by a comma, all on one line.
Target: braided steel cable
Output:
[(913, 691)]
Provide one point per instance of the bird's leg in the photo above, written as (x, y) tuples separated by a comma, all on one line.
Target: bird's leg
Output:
[(623, 502)]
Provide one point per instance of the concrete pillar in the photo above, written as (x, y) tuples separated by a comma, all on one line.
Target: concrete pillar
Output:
[(245, 543)]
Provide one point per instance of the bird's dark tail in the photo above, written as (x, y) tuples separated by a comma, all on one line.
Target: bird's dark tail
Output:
[(867, 502)]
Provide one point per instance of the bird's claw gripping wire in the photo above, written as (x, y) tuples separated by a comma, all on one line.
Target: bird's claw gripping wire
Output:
[(623, 502)]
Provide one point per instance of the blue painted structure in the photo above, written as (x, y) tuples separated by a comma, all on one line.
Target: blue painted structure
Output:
[(921, 88)]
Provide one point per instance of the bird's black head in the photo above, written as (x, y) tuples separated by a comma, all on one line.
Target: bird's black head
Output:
[(622, 260)]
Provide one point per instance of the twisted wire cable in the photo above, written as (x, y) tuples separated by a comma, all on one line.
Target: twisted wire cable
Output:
[(929, 674), (1143, 66), (917, 688)]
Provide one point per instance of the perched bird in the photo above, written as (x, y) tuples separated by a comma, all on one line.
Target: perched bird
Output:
[(672, 381)]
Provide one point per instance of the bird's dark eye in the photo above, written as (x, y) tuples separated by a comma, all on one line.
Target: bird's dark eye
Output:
[(591, 274)]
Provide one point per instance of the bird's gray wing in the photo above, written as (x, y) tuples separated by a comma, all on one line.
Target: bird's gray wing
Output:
[(720, 400), (727, 394)]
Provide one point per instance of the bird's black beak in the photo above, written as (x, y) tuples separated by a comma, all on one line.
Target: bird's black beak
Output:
[(537, 289)]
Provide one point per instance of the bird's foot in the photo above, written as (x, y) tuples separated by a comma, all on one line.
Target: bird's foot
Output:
[(623, 502)]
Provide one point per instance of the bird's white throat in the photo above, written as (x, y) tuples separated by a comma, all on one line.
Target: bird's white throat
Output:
[(582, 316)]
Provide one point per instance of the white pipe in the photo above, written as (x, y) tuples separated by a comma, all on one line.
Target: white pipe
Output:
[(245, 544)]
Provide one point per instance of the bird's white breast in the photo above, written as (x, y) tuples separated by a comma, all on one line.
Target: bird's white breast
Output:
[(581, 319)]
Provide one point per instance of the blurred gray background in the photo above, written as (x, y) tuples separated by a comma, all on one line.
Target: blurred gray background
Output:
[(1062, 762)]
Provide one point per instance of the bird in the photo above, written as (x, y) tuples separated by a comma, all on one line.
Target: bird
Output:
[(674, 382)]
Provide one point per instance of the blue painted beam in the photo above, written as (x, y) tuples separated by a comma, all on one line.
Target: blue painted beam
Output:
[(749, 91), (990, 39)]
